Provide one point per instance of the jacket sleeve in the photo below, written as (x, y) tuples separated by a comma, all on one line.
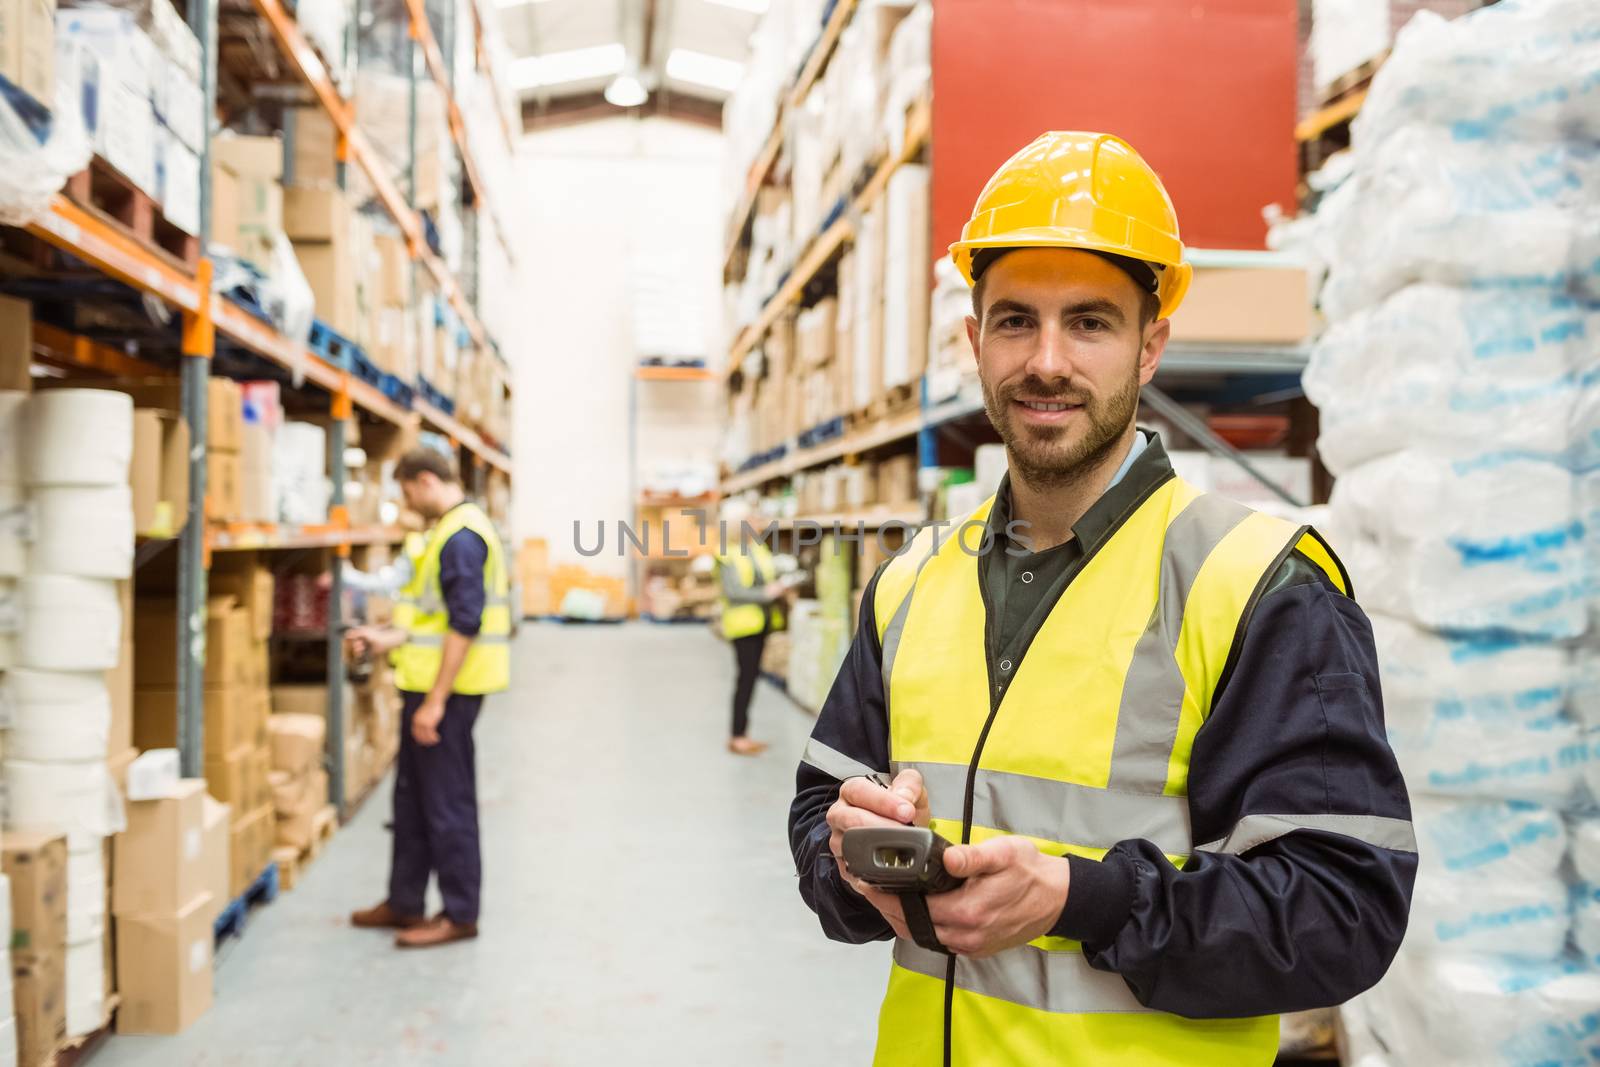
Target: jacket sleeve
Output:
[(851, 738), (736, 592), (1299, 889), (461, 564)]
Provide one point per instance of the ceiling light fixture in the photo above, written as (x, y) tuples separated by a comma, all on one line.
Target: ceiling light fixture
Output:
[(697, 68), (626, 91), (556, 68)]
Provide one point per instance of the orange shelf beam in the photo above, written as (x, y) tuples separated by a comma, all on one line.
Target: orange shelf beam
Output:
[(460, 435), (674, 374), (72, 229)]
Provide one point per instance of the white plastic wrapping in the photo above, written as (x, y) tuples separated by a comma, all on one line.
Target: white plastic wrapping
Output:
[(1525, 918), (69, 624), (86, 893), (79, 437), (1494, 840), (78, 798), (1433, 365), (37, 167), (1586, 847), (1486, 542), (1586, 922), (57, 715), (16, 528), (85, 987), (1522, 69), (86, 531)]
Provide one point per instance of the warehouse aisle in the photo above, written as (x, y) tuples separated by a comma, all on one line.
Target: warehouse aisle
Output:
[(639, 899)]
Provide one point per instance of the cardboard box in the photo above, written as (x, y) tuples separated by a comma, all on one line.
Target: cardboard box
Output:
[(330, 271), (28, 47), (393, 288), (224, 496), (224, 404), (294, 829), (249, 843), (159, 473), (1269, 305), (239, 779), (225, 211), (298, 794), (164, 968), (300, 700), (256, 164), (159, 859), (16, 344), (314, 160), (39, 997), (215, 826), (897, 480), (229, 719), (316, 215), (257, 502), (297, 742), (248, 581), (36, 863)]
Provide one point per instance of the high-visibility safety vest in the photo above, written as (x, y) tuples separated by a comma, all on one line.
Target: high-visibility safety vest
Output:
[(420, 610), (755, 568), (1082, 744)]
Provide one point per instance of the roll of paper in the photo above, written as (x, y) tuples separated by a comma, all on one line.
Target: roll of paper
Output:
[(86, 986), (83, 530), (78, 437), (86, 894), (78, 798), (16, 526), (58, 715), (69, 624)]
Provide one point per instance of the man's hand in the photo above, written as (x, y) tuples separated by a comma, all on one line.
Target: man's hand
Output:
[(1013, 894), (374, 640), (425, 722), (863, 802)]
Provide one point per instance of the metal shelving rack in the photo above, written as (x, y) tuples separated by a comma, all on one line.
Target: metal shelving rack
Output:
[(205, 315)]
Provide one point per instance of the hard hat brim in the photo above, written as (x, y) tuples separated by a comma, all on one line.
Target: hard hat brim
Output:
[(1174, 280)]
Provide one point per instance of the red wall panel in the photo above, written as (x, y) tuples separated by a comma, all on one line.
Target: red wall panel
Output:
[(1204, 89)]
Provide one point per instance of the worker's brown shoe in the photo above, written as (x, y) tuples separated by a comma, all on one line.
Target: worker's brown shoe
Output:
[(745, 746), (438, 930), (384, 917)]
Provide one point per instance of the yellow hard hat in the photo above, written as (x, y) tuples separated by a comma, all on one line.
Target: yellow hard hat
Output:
[(1071, 189)]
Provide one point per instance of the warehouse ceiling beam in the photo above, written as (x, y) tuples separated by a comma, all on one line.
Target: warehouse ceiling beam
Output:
[(592, 107)]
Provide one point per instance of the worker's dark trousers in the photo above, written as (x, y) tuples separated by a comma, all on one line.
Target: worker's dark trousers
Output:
[(747, 653), (436, 813)]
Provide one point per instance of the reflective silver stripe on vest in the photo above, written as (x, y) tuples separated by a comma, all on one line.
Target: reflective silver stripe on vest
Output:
[(1056, 811), (1377, 830), (437, 640), (836, 764), (1061, 982), (897, 624), (1152, 694)]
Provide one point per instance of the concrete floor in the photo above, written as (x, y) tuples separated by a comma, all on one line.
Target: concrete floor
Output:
[(639, 899)]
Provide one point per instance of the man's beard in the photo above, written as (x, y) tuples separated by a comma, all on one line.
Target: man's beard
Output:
[(1040, 456)]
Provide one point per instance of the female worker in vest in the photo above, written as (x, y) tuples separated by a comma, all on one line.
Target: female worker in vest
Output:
[(1147, 717), (751, 609), (449, 647)]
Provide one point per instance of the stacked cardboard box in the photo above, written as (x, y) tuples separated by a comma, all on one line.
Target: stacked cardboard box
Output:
[(320, 223), (28, 47), (246, 197), (164, 910), (299, 782), (824, 378), (36, 866), (235, 701), (390, 344)]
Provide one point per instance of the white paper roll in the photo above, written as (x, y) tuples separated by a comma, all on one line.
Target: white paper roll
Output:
[(69, 624), (16, 524), (79, 798), (58, 715), (13, 409), (83, 530), (86, 986), (86, 894), (78, 437)]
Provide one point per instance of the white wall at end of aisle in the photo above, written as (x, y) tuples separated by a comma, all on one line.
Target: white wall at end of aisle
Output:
[(599, 196)]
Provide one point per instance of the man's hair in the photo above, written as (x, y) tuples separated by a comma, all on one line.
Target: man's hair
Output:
[(425, 461), (1149, 303)]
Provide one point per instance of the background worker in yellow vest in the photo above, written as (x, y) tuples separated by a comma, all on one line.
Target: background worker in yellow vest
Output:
[(752, 607), (1148, 717), (450, 647)]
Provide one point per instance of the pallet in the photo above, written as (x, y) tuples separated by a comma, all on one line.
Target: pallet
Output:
[(324, 824), (75, 1050), (435, 397), (363, 368), (287, 860), (397, 390), (1352, 79), (231, 921), (103, 190), (333, 346), (822, 432)]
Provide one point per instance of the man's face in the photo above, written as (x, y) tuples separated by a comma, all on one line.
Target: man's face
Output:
[(421, 494), (1061, 354)]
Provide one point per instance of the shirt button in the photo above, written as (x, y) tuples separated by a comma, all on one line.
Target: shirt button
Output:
[(1005, 665), (1027, 577)]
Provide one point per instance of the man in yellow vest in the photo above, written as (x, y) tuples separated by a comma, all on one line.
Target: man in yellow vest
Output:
[(450, 646), (1147, 718), (751, 609)]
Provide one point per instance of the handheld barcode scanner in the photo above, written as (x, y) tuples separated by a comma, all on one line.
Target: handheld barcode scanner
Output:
[(898, 859)]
